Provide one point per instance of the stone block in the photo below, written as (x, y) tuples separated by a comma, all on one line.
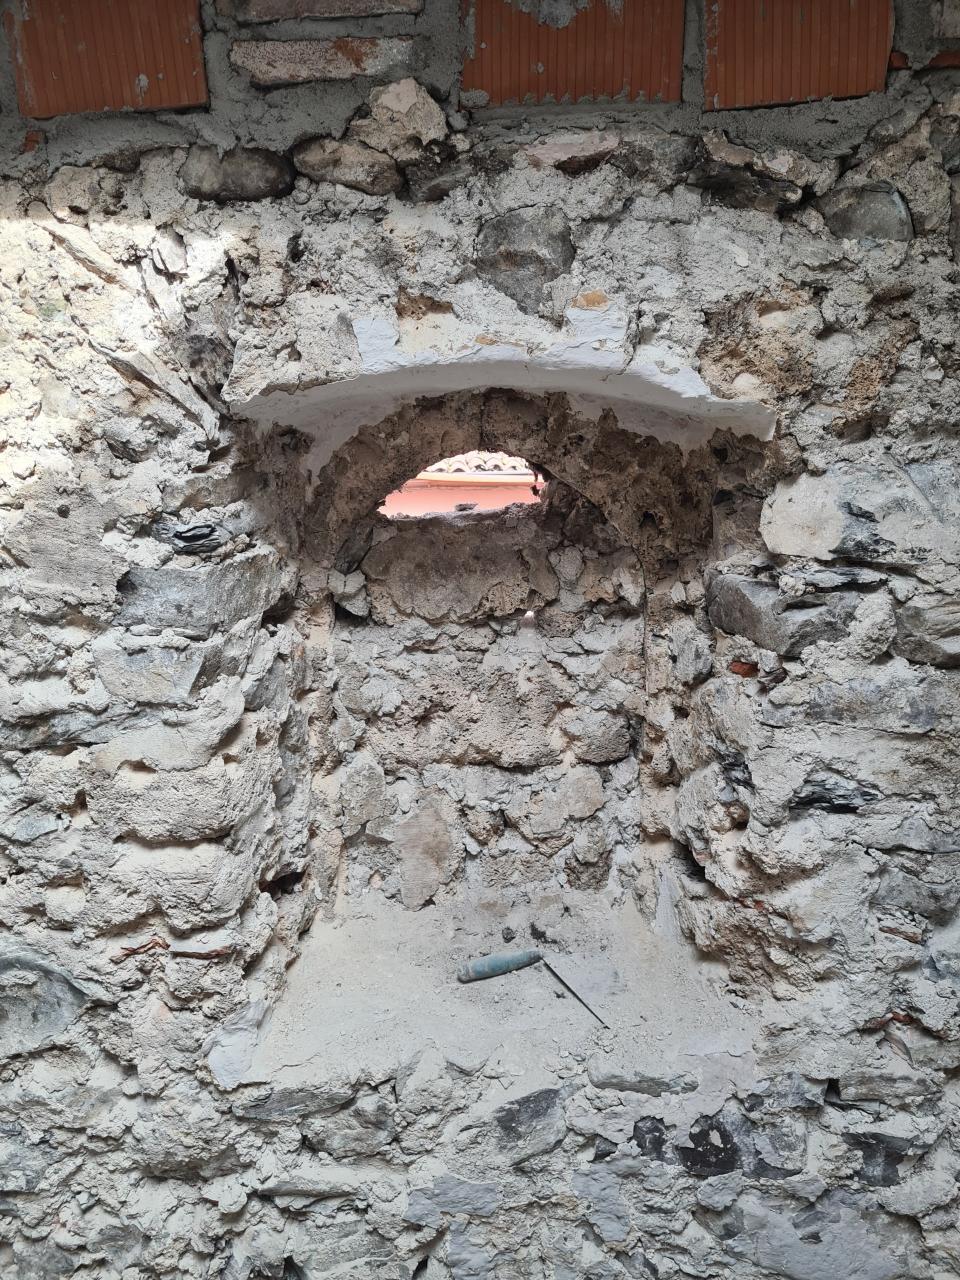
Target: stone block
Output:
[(449, 1195), (898, 517), (270, 63), (427, 855), (249, 11), (598, 737), (40, 999), (530, 1125), (202, 599), (244, 173), (743, 606), (351, 164), (874, 211), (928, 630), (403, 120), (522, 251)]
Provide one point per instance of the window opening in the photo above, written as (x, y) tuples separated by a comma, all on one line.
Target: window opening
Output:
[(474, 481)]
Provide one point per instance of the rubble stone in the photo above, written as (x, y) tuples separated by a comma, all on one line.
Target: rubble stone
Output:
[(928, 630), (868, 212), (244, 173), (520, 252), (403, 120), (744, 607), (352, 164)]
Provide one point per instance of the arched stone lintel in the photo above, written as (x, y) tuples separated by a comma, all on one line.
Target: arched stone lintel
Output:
[(592, 361)]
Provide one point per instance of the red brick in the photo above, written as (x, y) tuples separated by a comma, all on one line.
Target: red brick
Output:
[(277, 62)]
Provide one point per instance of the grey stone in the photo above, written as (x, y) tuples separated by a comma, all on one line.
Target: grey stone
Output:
[(721, 1191), (899, 517), (874, 211), (364, 1129), (743, 606), (530, 1125), (146, 671), (58, 544), (691, 652), (449, 1195), (24, 1163), (469, 1257), (253, 11), (243, 173), (439, 170), (32, 823), (199, 600), (39, 998), (522, 251), (362, 792), (427, 855), (606, 1211), (928, 630), (351, 164), (598, 737), (884, 1084), (606, 1074)]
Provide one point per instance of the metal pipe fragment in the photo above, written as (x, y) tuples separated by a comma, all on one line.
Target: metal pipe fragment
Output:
[(494, 966)]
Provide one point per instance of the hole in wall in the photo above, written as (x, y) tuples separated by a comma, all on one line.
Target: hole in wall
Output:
[(479, 480)]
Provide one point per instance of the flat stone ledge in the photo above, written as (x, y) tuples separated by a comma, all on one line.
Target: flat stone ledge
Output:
[(253, 11), (271, 63)]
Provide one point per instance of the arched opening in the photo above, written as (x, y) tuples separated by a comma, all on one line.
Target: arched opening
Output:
[(500, 716)]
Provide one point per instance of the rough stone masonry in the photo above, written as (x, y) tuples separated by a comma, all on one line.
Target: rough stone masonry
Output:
[(274, 766)]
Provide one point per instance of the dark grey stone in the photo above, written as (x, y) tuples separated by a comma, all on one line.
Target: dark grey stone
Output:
[(531, 1125), (39, 999), (833, 792), (874, 211), (191, 540), (928, 630), (650, 1136), (741, 188), (654, 158), (521, 251), (243, 173), (439, 170), (743, 606), (710, 1149)]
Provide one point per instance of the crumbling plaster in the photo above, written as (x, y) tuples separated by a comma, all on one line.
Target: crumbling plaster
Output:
[(234, 1043)]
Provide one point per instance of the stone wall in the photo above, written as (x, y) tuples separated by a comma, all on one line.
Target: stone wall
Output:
[(273, 767)]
